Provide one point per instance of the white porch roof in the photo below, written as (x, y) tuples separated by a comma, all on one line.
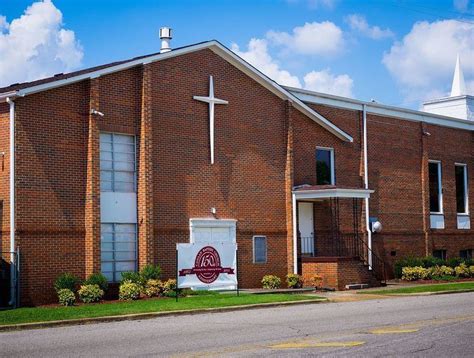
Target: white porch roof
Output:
[(325, 192)]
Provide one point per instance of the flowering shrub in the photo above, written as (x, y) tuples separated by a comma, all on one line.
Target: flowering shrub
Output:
[(153, 288), (414, 273), (90, 293), (317, 281), (439, 271), (66, 297), (271, 281), (129, 290), (471, 270), (294, 280), (462, 270)]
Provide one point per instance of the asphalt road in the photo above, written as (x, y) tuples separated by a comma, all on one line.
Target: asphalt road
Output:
[(436, 326)]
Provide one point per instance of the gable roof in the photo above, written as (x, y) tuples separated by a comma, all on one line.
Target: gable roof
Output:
[(24, 89)]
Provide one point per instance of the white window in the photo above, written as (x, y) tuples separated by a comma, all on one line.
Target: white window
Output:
[(435, 187), (259, 249), (117, 162), (325, 174), (118, 246), (462, 206)]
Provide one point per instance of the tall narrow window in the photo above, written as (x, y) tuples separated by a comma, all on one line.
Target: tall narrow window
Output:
[(118, 244), (325, 166), (117, 162), (259, 249), (436, 196), (461, 188)]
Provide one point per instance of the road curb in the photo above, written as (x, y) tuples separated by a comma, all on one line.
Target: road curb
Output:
[(149, 315), (428, 293)]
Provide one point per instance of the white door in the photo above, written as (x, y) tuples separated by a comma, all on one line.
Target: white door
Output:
[(306, 227), (211, 234)]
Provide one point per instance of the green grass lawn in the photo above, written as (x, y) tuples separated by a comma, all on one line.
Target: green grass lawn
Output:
[(42, 314), (439, 287)]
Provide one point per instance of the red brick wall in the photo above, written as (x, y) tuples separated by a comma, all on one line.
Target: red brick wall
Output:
[(336, 272), (53, 137), (262, 146), (398, 154)]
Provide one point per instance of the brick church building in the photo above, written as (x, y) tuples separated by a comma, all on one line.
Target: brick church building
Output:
[(107, 168)]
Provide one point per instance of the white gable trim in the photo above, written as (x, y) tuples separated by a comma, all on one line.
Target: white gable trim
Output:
[(380, 109), (220, 50)]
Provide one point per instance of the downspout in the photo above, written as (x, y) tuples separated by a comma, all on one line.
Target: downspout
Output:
[(12, 203), (366, 186), (295, 235)]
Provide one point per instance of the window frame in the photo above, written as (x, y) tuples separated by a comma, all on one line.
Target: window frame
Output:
[(440, 187), (113, 171), (466, 188), (266, 249), (443, 252), (468, 252), (332, 164)]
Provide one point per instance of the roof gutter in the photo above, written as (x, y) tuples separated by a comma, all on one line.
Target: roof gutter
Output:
[(13, 268)]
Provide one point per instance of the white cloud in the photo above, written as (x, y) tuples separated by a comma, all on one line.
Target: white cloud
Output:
[(36, 46), (359, 23), (324, 81), (315, 38), (258, 56), (423, 62)]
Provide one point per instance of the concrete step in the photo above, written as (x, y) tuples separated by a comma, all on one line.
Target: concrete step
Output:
[(357, 286)]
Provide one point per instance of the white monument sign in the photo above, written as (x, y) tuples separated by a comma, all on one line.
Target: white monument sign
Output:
[(210, 265)]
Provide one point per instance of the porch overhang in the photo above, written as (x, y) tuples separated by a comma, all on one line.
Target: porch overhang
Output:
[(314, 193)]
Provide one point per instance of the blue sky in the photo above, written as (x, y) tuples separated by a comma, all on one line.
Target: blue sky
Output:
[(397, 52)]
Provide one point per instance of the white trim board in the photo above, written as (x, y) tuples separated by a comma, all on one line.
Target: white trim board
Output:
[(332, 193), (218, 49), (380, 109)]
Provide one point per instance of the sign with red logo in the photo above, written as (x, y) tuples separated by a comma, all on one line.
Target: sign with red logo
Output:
[(207, 265)]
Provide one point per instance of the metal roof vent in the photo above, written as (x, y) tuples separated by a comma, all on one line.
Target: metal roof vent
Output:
[(165, 37)]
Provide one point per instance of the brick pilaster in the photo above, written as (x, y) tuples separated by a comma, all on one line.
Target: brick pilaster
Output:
[(289, 180), (92, 212), (145, 173), (425, 189)]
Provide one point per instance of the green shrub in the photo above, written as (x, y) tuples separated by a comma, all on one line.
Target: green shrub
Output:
[(414, 273), (294, 280), (99, 280), (439, 271), (132, 276), (406, 262), (153, 288), (66, 281), (129, 290), (462, 270), (90, 293), (150, 272), (66, 297), (454, 261), (444, 278), (271, 281), (431, 261), (471, 270)]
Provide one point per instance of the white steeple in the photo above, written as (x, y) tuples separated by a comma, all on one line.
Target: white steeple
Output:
[(459, 87), (459, 104)]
